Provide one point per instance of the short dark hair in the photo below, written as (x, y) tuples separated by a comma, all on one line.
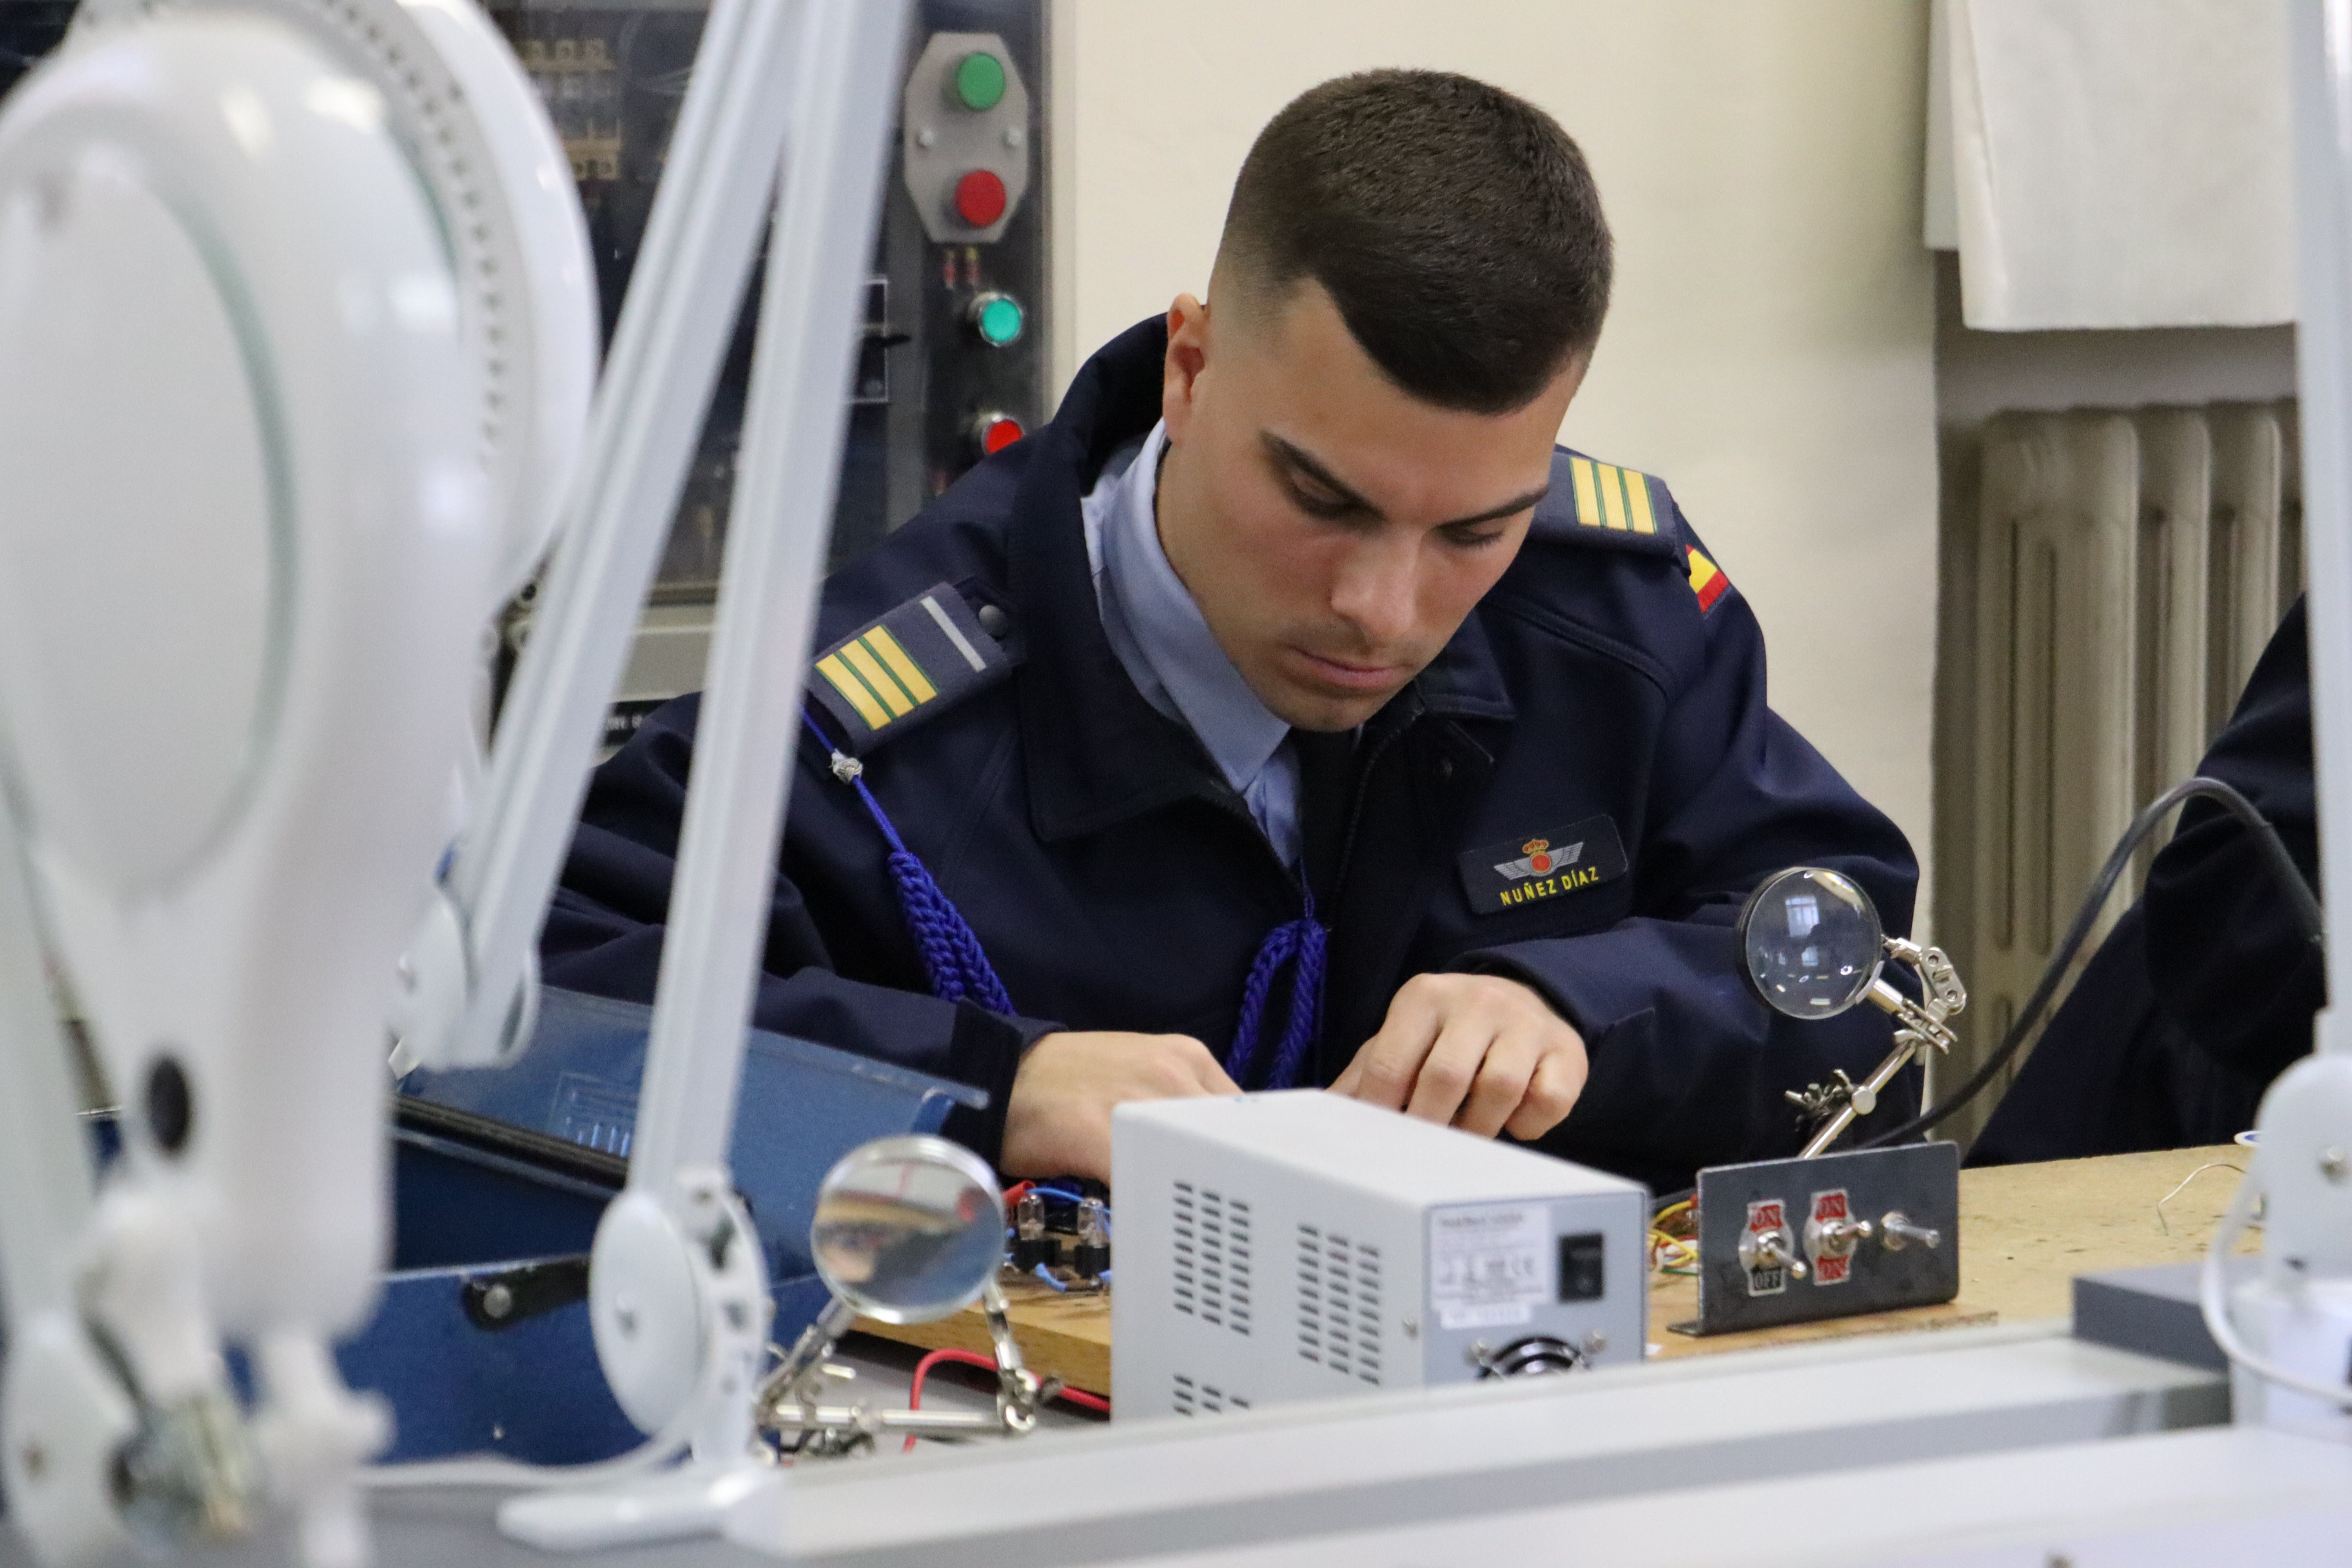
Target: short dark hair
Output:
[(1455, 226)]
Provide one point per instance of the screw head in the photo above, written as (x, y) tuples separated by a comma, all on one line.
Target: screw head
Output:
[(497, 1301), (2334, 1165)]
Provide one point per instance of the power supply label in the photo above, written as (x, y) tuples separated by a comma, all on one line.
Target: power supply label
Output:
[(1490, 1265)]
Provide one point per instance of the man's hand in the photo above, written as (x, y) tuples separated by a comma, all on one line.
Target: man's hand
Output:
[(1057, 1123), (1476, 1051)]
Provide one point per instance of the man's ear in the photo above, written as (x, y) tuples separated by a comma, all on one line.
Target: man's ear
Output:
[(1188, 356)]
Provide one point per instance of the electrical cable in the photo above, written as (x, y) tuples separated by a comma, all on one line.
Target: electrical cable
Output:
[(2275, 859), (1077, 1396), (923, 1370), (1668, 1251)]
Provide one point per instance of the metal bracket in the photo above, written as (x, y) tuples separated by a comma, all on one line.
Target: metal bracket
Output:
[(510, 1296)]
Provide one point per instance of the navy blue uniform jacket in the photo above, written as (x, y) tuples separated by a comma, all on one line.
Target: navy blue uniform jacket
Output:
[(1116, 882)]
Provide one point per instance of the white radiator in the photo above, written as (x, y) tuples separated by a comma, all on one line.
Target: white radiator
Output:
[(2125, 570)]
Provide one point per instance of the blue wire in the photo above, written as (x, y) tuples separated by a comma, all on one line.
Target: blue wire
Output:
[(1042, 1274)]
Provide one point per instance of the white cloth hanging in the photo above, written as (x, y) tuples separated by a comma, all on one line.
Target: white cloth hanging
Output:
[(2114, 162)]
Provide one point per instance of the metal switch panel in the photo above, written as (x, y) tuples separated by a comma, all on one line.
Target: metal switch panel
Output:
[(1789, 1241), (965, 137)]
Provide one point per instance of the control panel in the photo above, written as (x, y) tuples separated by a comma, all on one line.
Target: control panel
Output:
[(1789, 1241), (952, 364)]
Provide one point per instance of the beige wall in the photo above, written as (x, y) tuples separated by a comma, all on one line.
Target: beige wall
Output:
[(1770, 349)]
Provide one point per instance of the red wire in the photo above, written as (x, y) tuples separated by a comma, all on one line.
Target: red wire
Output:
[(1076, 1396), (923, 1370)]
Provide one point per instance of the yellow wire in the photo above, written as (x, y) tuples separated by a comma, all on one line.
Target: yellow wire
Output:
[(1667, 1250)]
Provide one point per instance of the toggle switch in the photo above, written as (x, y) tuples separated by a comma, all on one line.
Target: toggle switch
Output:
[(1771, 1249), (1897, 1232), (1838, 1235)]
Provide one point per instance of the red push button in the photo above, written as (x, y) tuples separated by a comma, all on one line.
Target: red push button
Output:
[(994, 432), (980, 198)]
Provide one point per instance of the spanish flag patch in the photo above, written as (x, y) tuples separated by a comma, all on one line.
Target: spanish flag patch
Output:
[(920, 659), (1706, 579)]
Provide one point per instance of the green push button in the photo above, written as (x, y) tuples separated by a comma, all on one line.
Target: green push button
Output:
[(1000, 318), (979, 81)]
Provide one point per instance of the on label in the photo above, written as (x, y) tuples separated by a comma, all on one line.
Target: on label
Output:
[(1832, 1268)]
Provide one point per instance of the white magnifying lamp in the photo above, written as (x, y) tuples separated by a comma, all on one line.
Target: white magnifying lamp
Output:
[(244, 547)]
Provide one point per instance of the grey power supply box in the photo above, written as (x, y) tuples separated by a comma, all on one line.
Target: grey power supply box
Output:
[(1278, 1247)]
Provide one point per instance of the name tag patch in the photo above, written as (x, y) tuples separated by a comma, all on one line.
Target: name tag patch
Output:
[(1545, 865)]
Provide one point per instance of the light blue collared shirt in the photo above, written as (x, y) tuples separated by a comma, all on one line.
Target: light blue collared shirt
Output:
[(1168, 651)]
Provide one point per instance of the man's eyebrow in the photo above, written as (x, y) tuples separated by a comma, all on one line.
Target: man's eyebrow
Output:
[(1305, 463)]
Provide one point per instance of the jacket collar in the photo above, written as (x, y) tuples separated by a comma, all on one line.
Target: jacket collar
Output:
[(1096, 752)]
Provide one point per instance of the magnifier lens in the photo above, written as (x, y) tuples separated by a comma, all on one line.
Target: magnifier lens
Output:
[(1811, 943)]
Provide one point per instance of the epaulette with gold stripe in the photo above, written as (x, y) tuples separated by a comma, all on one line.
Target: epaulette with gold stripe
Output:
[(916, 662), (1599, 503)]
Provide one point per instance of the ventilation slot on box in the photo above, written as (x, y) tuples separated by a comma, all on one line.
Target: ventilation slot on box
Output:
[(1339, 1304), (1211, 1262), (1205, 1399)]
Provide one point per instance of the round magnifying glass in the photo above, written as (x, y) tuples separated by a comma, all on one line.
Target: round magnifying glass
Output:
[(1810, 942), (907, 1229)]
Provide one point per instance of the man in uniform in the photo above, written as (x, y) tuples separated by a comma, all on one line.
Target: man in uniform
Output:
[(1291, 711)]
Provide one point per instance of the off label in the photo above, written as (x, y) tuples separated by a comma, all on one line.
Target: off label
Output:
[(1832, 1268), (1764, 1219)]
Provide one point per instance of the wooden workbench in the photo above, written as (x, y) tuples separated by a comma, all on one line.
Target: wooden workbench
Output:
[(2025, 1231)]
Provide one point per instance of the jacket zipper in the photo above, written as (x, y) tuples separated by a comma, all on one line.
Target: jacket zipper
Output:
[(1356, 799)]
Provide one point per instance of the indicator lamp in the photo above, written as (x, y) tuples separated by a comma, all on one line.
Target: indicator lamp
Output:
[(998, 317)]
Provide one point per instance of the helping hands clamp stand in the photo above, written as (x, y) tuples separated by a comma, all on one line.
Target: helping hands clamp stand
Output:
[(1830, 1235), (1918, 1026), (793, 1414), (906, 1230)]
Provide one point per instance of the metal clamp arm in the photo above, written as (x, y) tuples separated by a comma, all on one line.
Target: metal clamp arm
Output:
[(1918, 1026)]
